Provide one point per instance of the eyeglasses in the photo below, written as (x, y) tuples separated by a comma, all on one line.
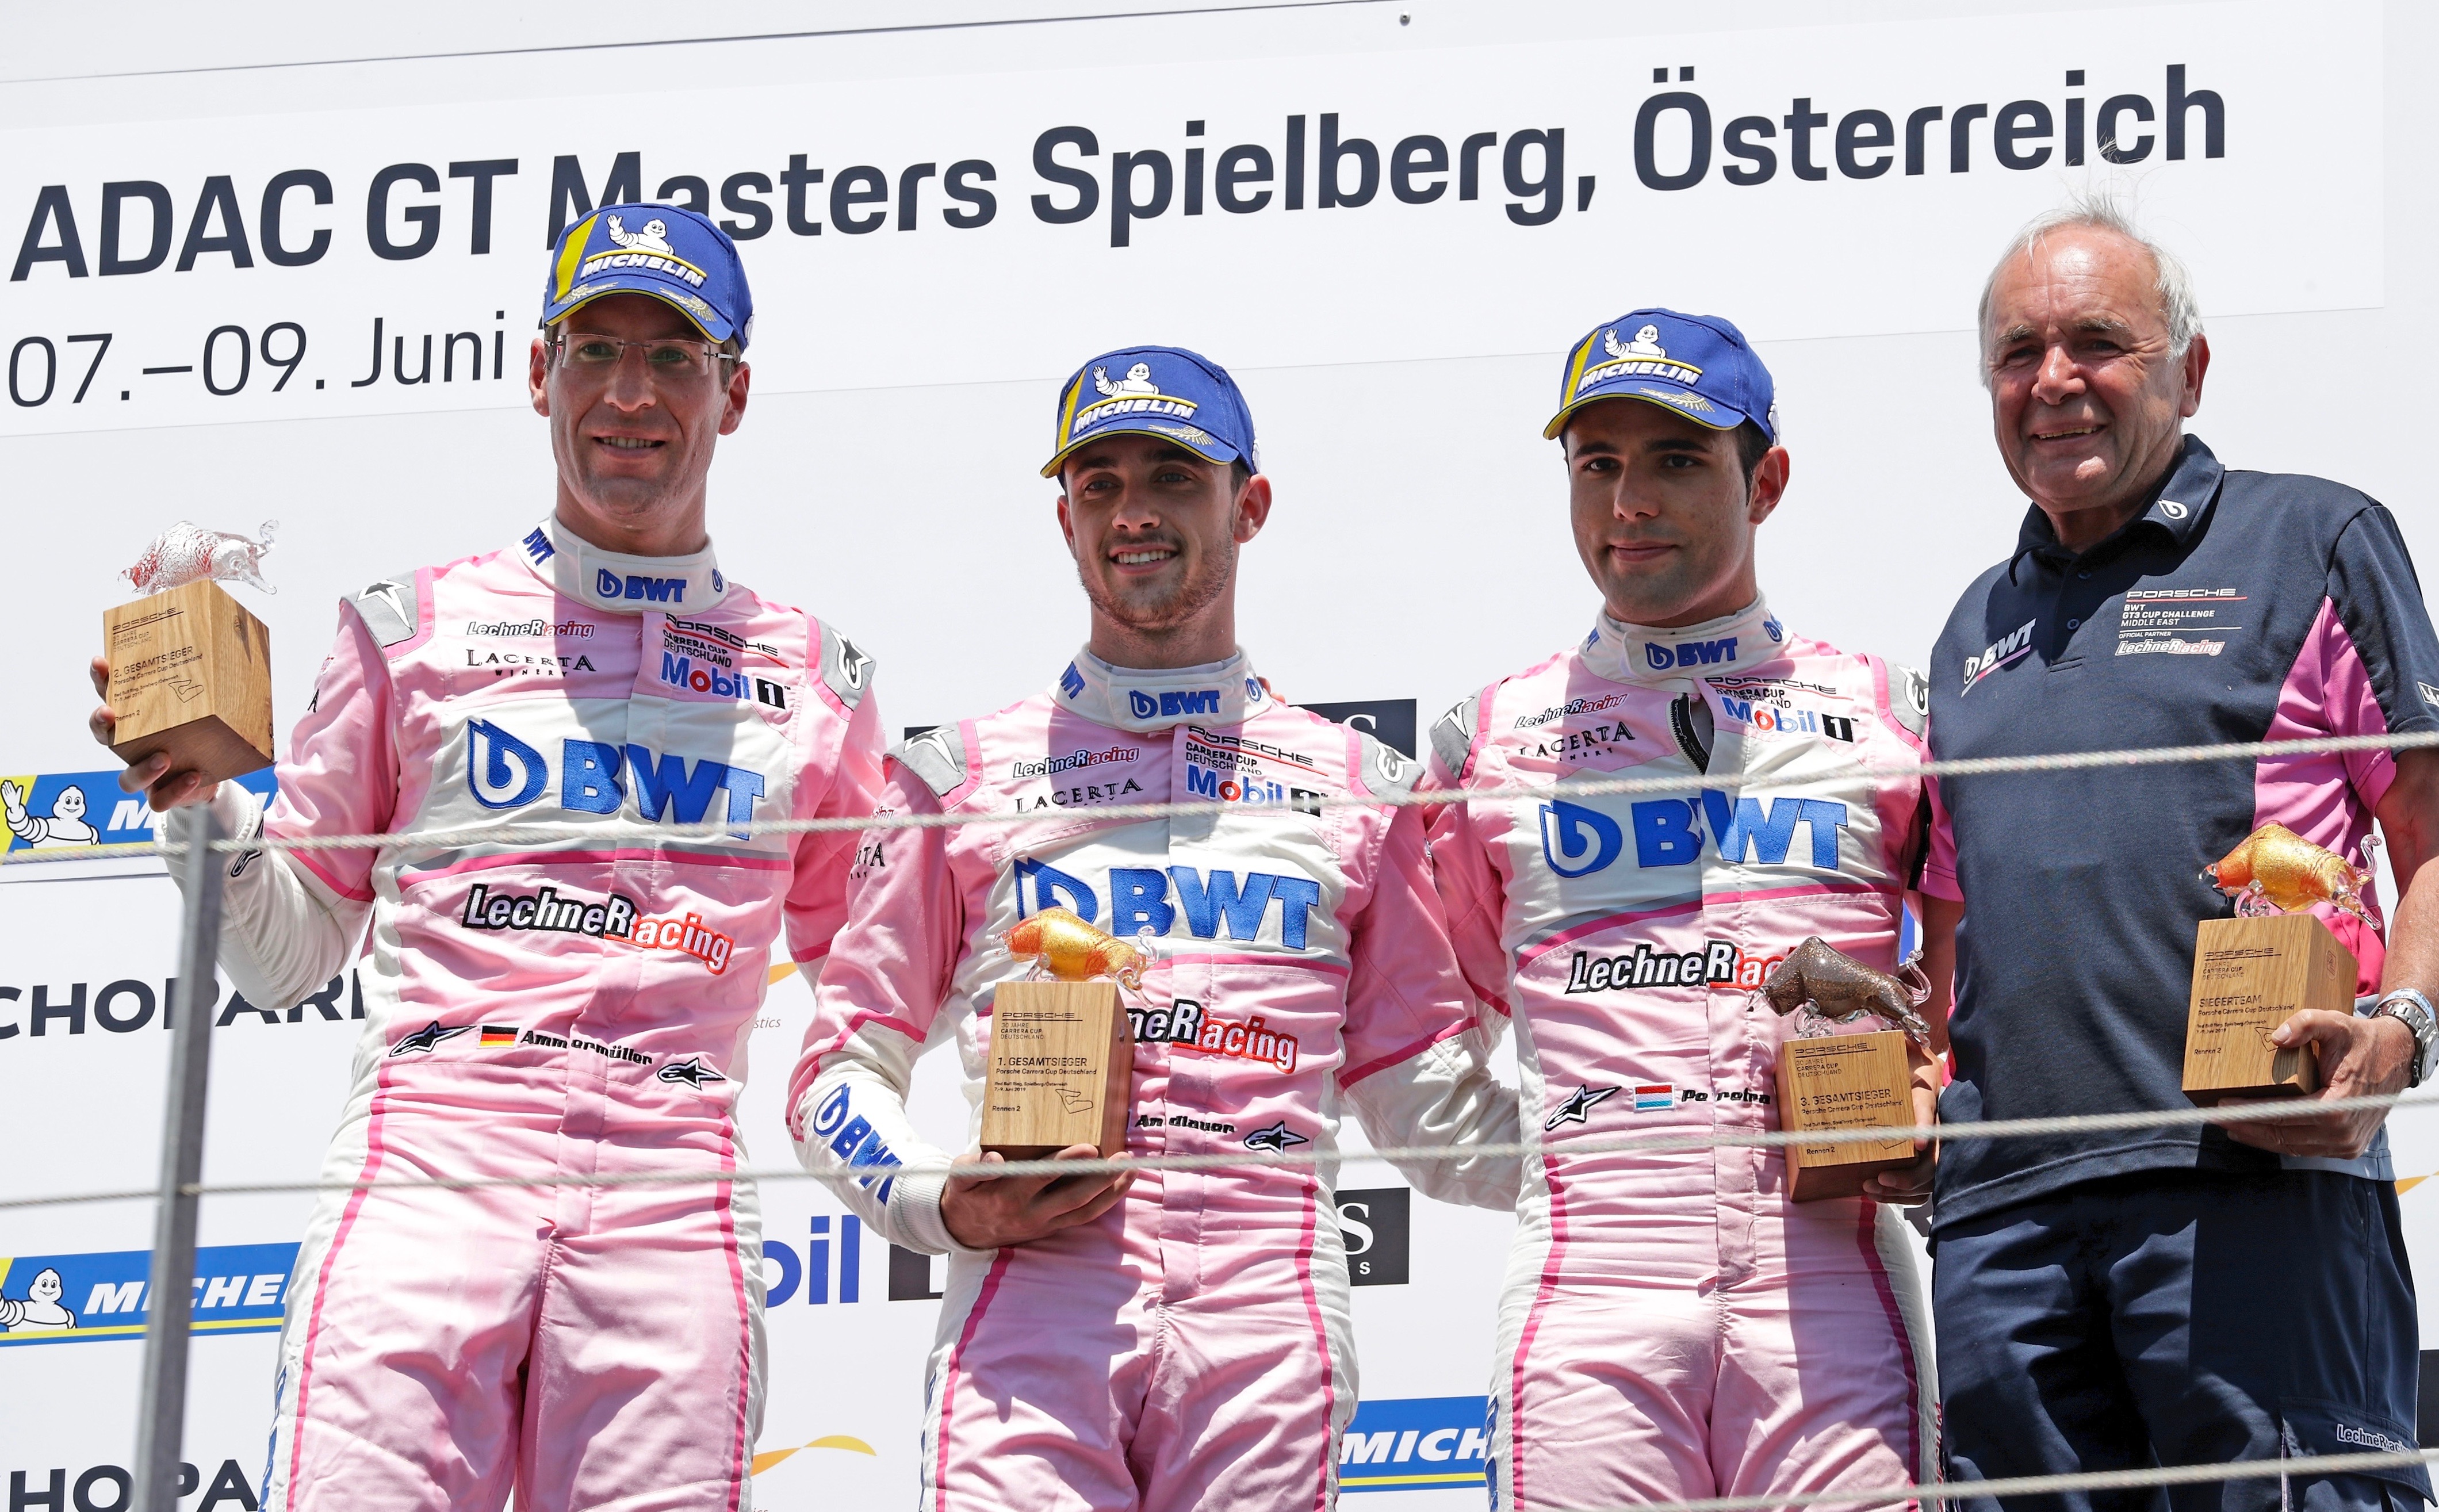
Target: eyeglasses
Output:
[(596, 356)]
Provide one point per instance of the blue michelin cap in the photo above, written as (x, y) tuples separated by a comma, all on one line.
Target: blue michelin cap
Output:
[(1164, 391), (666, 251), (1699, 365)]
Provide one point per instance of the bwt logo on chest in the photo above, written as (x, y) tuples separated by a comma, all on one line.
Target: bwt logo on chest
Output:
[(1577, 841), (502, 771), (1211, 902), (653, 589), (1689, 654)]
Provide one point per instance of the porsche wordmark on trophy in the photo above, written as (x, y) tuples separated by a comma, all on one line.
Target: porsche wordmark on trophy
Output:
[(1062, 1063), (189, 668)]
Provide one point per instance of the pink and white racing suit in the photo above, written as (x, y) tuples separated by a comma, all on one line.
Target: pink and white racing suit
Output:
[(1673, 1327), (1192, 1348), (558, 1006)]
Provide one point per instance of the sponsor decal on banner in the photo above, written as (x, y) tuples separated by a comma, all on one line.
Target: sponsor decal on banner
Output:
[(86, 811), (45, 1010), (1411, 1443), (62, 1299), (108, 1488), (1391, 721), (1377, 1224), (807, 1281)]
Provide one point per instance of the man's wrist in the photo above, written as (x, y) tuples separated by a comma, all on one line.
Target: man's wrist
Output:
[(2413, 1011)]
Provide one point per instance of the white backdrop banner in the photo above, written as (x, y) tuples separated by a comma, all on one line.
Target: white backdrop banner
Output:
[(1825, 183), (386, 260)]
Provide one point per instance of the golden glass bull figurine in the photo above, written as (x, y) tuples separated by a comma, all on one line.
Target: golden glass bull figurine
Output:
[(1063, 946), (2278, 871)]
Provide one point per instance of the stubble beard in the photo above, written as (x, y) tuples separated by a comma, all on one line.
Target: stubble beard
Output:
[(1156, 612)]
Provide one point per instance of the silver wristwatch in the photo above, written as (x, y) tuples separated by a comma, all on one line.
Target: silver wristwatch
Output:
[(2412, 1010)]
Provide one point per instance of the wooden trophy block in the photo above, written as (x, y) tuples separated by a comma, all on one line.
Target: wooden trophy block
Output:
[(1063, 1070), (191, 674), (1844, 1082), (2250, 975)]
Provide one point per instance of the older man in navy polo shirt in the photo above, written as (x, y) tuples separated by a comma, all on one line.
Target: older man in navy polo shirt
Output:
[(2169, 1296)]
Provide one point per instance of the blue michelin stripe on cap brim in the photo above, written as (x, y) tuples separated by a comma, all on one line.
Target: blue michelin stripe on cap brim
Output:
[(716, 329), (1210, 448), (1655, 392)]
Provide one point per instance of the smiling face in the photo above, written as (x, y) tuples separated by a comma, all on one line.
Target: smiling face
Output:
[(1155, 530), (1664, 514), (634, 443), (2086, 392), (69, 804), (45, 1287)]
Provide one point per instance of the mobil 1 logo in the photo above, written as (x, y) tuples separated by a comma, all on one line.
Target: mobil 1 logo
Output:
[(1376, 1223)]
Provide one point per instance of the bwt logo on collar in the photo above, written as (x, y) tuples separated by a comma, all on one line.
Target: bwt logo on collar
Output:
[(1689, 654), (657, 590), (2000, 653), (1169, 706)]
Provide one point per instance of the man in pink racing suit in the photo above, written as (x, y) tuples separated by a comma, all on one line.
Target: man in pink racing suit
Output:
[(574, 1007), (1183, 1339), (1673, 1325)]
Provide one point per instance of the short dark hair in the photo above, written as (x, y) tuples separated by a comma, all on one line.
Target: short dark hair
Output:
[(1752, 444)]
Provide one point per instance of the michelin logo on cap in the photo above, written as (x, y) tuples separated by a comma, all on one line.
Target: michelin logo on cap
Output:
[(1699, 365), (1643, 357), (1158, 390), (666, 252)]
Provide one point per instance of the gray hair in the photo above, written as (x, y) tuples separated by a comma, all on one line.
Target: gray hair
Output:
[(2101, 210)]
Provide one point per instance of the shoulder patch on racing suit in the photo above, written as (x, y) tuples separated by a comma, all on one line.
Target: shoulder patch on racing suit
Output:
[(938, 757), (1386, 769), (390, 606), (1453, 736), (1909, 698), (845, 667)]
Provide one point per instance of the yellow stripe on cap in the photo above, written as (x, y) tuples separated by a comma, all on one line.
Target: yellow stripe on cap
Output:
[(1576, 361), (571, 255), (1058, 447)]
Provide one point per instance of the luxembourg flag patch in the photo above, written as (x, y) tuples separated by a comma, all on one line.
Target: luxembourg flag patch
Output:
[(1655, 1099)]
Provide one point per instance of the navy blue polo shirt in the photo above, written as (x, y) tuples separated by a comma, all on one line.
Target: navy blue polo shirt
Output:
[(2238, 607)]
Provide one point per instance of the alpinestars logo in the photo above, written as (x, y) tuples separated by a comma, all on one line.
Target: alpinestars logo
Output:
[(691, 1071), (1276, 1139), (2000, 653), (424, 1041), (1579, 1105)]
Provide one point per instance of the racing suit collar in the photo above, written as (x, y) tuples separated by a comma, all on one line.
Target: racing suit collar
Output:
[(1640, 654), (1127, 698), (619, 583)]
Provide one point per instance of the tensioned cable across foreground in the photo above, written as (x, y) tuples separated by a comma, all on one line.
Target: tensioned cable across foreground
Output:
[(533, 833), (1595, 1144)]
